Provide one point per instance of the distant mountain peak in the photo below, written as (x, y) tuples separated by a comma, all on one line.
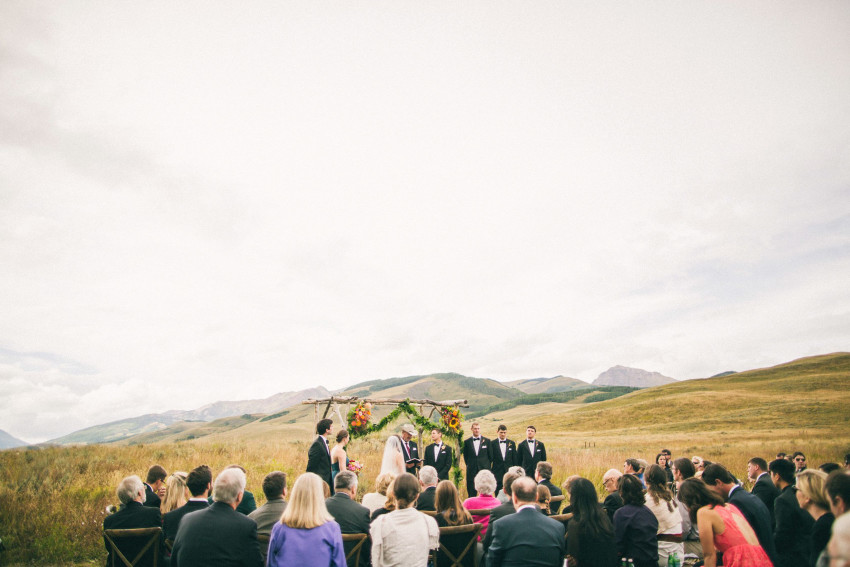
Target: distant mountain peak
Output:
[(631, 377), (7, 441)]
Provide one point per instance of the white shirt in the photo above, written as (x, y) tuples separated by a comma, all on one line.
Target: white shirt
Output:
[(403, 538), (437, 448)]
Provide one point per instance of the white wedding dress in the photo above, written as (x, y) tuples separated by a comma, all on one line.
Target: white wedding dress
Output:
[(393, 461)]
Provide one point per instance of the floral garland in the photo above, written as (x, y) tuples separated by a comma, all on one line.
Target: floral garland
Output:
[(452, 418)]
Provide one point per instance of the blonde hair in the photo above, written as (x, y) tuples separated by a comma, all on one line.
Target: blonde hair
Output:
[(812, 484), (176, 492), (383, 482), (306, 508)]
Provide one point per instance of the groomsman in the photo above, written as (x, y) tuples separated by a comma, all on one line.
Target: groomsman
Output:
[(409, 447), (319, 456), (531, 451), (476, 455), (439, 455), (502, 454)]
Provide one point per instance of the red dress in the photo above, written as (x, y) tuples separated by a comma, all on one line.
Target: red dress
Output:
[(737, 552)]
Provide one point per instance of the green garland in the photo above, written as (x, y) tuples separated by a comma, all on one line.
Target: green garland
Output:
[(423, 423)]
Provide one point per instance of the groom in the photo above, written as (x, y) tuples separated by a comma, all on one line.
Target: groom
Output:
[(319, 456)]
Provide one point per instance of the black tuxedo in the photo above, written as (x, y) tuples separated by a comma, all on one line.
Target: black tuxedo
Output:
[(131, 516), (501, 465), (529, 461), (425, 503), (152, 499), (792, 535), (443, 463), (217, 536), (554, 491), (526, 538), (766, 491), (412, 454), (352, 518), (171, 520), (499, 511), (758, 517), (319, 460), (475, 462)]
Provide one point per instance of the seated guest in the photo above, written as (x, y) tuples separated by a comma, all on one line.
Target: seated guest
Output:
[(838, 549), (155, 486), (662, 504), (799, 460), (566, 486), (543, 498), (684, 469), (428, 480), (485, 485), (133, 514), (662, 460), (176, 493), (543, 476), (763, 487), (248, 504), (838, 490), (635, 526), (526, 537), (353, 518), (505, 498), (613, 501), (377, 499), (633, 467), (791, 535), (450, 510), (218, 535), (405, 536), (198, 483), (829, 467), (502, 510), (267, 515), (590, 541), (388, 506), (811, 495), (722, 528), (307, 533)]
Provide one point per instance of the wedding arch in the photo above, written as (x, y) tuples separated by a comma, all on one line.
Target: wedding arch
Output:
[(358, 420)]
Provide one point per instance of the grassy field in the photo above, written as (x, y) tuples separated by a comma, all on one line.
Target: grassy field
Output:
[(52, 501)]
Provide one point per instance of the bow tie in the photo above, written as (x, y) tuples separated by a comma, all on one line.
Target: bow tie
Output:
[(476, 438), (501, 441)]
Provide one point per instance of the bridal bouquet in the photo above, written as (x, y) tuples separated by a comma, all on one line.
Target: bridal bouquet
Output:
[(354, 466)]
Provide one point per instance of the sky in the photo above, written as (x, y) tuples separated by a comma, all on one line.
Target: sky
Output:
[(206, 201)]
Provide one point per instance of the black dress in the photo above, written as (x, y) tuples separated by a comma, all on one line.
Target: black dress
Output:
[(590, 549), (820, 536)]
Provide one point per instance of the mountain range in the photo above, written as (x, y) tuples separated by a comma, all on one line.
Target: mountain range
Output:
[(9, 442), (631, 377)]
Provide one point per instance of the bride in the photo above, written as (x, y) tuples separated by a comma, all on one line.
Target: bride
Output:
[(393, 461)]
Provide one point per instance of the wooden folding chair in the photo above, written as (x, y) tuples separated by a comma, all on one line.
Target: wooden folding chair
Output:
[(431, 513), (352, 558), (149, 543), (480, 511), (457, 536)]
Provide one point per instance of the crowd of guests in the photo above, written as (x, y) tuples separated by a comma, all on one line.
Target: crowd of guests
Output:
[(686, 508)]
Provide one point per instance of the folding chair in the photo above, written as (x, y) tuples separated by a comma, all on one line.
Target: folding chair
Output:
[(480, 512), (453, 538), (145, 538), (352, 558)]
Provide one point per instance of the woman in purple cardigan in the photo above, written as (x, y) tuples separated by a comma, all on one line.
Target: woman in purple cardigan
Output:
[(307, 534)]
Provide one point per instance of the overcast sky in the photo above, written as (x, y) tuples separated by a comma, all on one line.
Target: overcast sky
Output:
[(207, 201)]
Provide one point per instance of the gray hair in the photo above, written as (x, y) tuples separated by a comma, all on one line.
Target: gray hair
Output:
[(229, 484), (129, 488), (485, 482), (841, 537), (428, 475), (345, 480), (517, 470)]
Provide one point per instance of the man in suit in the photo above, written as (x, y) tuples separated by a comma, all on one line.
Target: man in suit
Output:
[(199, 483), (791, 536), (319, 456), (133, 514), (267, 515), (476, 455), (527, 537), (409, 448), (799, 462), (684, 469), (352, 517), (721, 481), (502, 454), (155, 486), (439, 455), (428, 480), (613, 501), (531, 451), (219, 535), (763, 489), (543, 476), (499, 512)]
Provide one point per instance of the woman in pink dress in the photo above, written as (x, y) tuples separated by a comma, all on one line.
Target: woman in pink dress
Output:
[(722, 528), (485, 484)]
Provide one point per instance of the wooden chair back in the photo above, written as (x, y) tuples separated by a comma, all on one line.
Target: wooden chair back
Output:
[(352, 558), (464, 537), (147, 539), (480, 511)]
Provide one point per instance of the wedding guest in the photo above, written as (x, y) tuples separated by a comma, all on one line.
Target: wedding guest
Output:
[(812, 497), (684, 469), (632, 467), (307, 534), (505, 498), (791, 536), (502, 510), (267, 515), (661, 461), (635, 526), (543, 499), (613, 501), (485, 484), (590, 538), (388, 506), (531, 451), (353, 518), (566, 486), (799, 460), (199, 484), (829, 467), (339, 458), (377, 499), (450, 510), (155, 486), (133, 514), (405, 536), (543, 476), (319, 455), (248, 503), (838, 490), (763, 487), (838, 550), (662, 504), (176, 493), (428, 480)]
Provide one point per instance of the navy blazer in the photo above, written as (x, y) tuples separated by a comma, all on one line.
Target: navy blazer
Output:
[(443, 463), (767, 492), (792, 535), (132, 516), (526, 538), (758, 517), (353, 518), (171, 520), (529, 461), (217, 536)]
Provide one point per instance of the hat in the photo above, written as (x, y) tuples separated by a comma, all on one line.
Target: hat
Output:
[(407, 428)]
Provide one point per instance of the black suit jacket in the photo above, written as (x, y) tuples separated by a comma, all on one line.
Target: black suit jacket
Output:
[(319, 461), (426, 500), (526, 538), (413, 454), (500, 466), (498, 512), (352, 518), (554, 491), (475, 463), (767, 492), (529, 461), (443, 463), (171, 520), (758, 517), (152, 499), (218, 536), (132, 516), (792, 535), (611, 504)]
